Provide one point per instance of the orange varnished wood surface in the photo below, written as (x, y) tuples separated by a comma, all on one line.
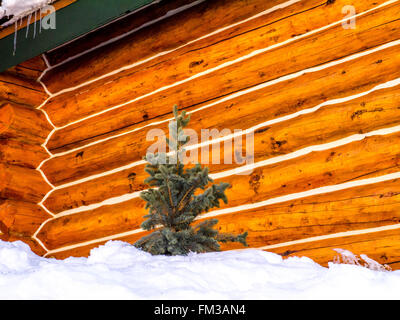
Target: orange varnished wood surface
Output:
[(315, 170), (334, 122), (322, 101), (342, 211), (23, 131)]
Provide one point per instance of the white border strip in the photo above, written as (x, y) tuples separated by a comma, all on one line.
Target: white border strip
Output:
[(51, 95), (332, 236), (313, 192), (120, 235), (128, 197), (224, 65), (34, 237), (169, 14), (246, 168), (237, 94), (340, 100)]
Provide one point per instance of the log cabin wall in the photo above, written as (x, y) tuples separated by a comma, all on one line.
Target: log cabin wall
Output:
[(23, 130), (323, 101)]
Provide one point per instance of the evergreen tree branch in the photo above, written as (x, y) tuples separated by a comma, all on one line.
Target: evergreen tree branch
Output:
[(173, 205)]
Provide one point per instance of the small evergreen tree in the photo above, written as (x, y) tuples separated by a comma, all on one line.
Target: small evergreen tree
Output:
[(174, 205)]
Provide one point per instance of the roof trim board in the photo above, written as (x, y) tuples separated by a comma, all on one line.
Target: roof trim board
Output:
[(5, 31), (72, 21)]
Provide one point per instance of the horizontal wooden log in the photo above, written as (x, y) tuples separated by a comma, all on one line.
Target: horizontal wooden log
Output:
[(243, 74), (93, 224), (21, 95), (381, 246), (345, 210), (110, 122), (21, 219), (264, 104), (113, 30), (374, 111), (23, 123), (97, 190), (33, 244), (163, 36), (84, 251), (22, 154), (17, 183), (36, 63), (19, 71), (371, 157), (21, 81), (252, 35), (353, 161), (177, 66), (240, 113)]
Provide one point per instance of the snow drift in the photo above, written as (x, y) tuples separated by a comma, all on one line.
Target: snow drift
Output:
[(118, 270)]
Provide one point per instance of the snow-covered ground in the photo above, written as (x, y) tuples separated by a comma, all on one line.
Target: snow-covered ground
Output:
[(117, 270)]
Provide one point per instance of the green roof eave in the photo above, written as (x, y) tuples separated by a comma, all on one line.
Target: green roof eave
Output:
[(72, 21)]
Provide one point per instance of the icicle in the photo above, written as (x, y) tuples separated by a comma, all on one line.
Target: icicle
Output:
[(27, 25), (34, 26), (15, 37), (40, 20)]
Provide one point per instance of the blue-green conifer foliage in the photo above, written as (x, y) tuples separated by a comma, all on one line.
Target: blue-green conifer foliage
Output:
[(176, 197)]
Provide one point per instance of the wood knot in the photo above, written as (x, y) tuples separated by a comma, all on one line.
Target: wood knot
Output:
[(255, 180), (131, 178), (195, 63), (287, 253), (261, 130), (277, 144), (79, 155)]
